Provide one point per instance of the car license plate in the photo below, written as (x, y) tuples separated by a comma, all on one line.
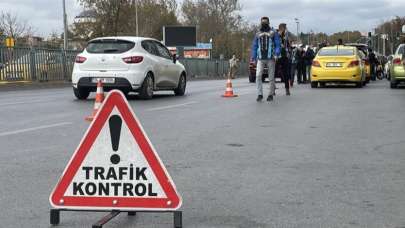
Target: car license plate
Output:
[(104, 80), (333, 64)]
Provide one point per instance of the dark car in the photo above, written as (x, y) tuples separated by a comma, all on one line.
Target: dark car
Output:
[(252, 72)]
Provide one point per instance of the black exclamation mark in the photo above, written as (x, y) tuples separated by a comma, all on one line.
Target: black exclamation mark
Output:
[(115, 132)]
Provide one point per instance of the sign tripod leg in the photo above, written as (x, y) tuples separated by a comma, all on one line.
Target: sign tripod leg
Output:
[(178, 219), (55, 216), (105, 219)]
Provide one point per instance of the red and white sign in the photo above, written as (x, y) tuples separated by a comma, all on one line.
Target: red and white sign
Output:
[(115, 166)]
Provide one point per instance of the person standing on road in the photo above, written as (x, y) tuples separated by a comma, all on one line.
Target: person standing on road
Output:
[(340, 42), (309, 57), (373, 62), (265, 49), (233, 67), (284, 59), (299, 56), (293, 67)]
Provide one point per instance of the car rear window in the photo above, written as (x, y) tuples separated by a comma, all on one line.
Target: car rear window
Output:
[(109, 46), (336, 52)]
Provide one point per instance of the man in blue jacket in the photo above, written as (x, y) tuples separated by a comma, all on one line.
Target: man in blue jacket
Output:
[(265, 50)]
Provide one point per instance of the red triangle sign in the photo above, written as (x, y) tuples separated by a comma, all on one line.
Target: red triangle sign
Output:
[(115, 166)]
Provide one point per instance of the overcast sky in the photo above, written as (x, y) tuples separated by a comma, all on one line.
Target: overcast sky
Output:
[(318, 15)]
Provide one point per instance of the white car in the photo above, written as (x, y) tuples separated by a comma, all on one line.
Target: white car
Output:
[(130, 64)]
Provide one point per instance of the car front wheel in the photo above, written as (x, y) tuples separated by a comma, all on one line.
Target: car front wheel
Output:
[(181, 87), (81, 94)]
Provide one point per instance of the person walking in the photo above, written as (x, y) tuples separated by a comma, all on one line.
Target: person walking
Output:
[(233, 67), (293, 66), (300, 58), (265, 50), (285, 54), (309, 57)]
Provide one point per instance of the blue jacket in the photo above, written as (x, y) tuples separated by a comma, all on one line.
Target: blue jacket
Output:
[(273, 50)]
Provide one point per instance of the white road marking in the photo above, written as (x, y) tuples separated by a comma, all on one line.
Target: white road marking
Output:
[(171, 106), (24, 102), (7, 133)]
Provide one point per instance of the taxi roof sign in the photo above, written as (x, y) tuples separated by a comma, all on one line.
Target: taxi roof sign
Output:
[(115, 167)]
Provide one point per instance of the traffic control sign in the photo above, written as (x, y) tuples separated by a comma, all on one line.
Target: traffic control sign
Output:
[(115, 167)]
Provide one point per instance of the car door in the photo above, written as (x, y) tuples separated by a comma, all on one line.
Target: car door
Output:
[(154, 57), (169, 78)]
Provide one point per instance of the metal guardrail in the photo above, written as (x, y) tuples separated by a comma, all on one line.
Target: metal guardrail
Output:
[(35, 64), (211, 67), (40, 64)]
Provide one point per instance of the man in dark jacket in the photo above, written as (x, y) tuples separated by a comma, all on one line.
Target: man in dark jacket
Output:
[(284, 60), (300, 58), (309, 57)]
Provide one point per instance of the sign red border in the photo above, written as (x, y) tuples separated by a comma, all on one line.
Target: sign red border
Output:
[(173, 201)]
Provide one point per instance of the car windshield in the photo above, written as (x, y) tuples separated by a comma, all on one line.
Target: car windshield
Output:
[(401, 50), (336, 52), (109, 46)]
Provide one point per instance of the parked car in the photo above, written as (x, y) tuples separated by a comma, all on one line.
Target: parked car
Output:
[(130, 64), (338, 64), (363, 48), (388, 66), (397, 68)]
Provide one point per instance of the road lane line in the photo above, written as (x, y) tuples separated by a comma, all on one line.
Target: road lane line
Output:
[(25, 102), (171, 106), (7, 133)]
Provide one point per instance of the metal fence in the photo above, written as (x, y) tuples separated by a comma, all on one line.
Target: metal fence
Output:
[(211, 67), (40, 64), (35, 64)]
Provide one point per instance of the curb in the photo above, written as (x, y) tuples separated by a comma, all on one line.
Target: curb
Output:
[(29, 85)]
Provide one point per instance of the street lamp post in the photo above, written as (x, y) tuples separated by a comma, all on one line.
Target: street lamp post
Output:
[(298, 22), (64, 26)]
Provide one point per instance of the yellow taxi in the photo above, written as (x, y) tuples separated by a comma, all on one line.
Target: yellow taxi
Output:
[(338, 64)]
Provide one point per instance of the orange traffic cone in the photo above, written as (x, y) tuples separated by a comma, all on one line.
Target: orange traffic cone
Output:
[(98, 102), (229, 90)]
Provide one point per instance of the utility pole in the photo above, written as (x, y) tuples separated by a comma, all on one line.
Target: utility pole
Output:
[(65, 30), (243, 49), (136, 17)]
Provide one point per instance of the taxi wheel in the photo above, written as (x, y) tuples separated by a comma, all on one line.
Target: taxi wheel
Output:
[(393, 85), (322, 84), (314, 84), (359, 84), (81, 94)]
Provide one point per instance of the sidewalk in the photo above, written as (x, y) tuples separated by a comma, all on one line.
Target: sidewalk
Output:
[(29, 85)]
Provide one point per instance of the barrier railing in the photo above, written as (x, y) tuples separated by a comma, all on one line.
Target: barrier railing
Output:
[(35, 64), (41, 64)]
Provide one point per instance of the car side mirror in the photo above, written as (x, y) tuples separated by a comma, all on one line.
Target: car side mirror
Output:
[(174, 57)]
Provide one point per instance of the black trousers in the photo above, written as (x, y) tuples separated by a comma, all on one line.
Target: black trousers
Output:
[(301, 72), (286, 71)]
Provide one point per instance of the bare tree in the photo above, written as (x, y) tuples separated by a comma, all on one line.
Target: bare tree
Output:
[(11, 25)]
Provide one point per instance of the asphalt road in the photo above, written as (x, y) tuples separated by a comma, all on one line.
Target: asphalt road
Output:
[(331, 157)]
